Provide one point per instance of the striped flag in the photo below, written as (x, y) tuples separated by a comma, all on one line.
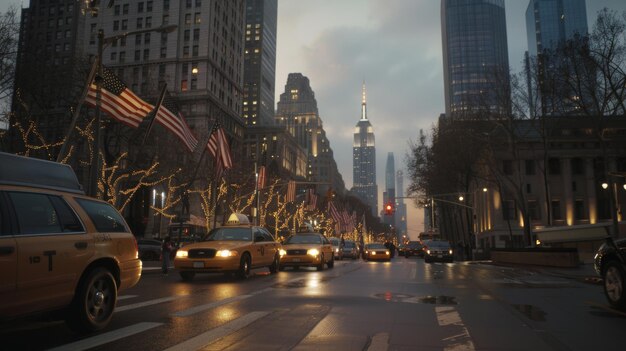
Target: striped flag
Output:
[(334, 213), (291, 191), (117, 101), (312, 200), (262, 178), (220, 150), (170, 117)]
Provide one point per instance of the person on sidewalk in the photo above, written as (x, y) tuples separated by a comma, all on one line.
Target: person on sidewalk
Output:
[(166, 253)]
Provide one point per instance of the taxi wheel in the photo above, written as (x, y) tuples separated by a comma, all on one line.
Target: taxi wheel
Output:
[(94, 302), (187, 276), (320, 267), (331, 264), (275, 264), (614, 279), (244, 267)]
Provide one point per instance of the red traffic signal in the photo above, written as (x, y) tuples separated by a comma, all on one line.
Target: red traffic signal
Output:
[(389, 209)]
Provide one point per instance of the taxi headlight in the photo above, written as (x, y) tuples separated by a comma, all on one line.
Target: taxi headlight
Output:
[(450, 251), (386, 252), (337, 250), (373, 252), (313, 252), (428, 252), (282, 252), (182, 254), (226, 253)]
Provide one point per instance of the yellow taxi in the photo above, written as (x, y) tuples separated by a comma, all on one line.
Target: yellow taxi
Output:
[(376, 252), (59, 249), (308, 249), (236, 247)]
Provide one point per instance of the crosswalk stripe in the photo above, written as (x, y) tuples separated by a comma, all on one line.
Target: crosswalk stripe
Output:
[(460, 340), (146, 303), (215, 334), (107, 337), (380, 342), (200, 308)]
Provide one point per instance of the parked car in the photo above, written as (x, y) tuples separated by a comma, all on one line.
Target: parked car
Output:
[(337, 248), (350, 249), (437, 250), (149, 249), (401, 249), (414, 248), (307, 249), (610, 264), (235, 247), (61, 251), (377, 252)]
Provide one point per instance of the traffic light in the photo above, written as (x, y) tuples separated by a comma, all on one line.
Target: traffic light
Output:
[(389, 209)]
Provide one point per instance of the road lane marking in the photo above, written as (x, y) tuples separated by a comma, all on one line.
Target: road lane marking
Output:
[(200, 308), (380, 342), (107, 337), (124, 297), (215, 334), (413, 273), (461, 339), (147, 303)]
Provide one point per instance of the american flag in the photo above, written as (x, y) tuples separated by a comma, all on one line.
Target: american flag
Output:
[(220, 150), (118, 101), (334, 213), (169, 116), (291, 191), (262, 178)]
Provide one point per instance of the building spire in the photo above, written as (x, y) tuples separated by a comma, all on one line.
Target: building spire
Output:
[(364, 104)]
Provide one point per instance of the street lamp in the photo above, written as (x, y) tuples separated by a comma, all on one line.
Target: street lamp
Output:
[(97, 142)]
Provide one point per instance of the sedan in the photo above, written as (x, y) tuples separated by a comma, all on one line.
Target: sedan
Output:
[(350, 249), (437, 250), (149, 249), (307, 249), (337, 248), (234, 248), (377, 251), (610, 263), (414, 248)]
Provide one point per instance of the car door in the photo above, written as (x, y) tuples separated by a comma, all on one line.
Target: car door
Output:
[(8, 259), (53, 249), (271, 246), (327, 248)]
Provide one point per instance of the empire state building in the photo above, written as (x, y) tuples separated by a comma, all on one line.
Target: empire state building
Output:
[(364, 161)]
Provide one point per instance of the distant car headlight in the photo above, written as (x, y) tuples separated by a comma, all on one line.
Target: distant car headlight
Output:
[(282, 252), (337, 250), (182, 254), (226, 253), (428, 252), (386, 252), (450, 251), (313, 252)]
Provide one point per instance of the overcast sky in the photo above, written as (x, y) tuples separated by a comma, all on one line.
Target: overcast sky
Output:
[(395, 47), (392, 45)]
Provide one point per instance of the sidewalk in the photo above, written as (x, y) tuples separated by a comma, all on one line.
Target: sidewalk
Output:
[(584, 272)]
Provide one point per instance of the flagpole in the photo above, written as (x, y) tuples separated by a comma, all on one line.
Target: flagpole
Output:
[(92, 73), (155, 112)]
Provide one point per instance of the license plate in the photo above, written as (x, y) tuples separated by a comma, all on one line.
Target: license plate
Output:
[(198, 265), (296, 260), (439, 256)]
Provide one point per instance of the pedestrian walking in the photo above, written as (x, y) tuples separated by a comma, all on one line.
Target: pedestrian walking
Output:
[(166, 252)]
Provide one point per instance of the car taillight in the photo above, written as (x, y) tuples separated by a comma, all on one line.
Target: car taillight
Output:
[(136, 247)]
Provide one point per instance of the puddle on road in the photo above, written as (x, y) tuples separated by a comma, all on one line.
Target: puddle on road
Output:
[(533, 313), (301, 283), (433, 300)]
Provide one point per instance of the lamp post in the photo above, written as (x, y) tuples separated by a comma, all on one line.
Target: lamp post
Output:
[(613, 200), (94, 170)]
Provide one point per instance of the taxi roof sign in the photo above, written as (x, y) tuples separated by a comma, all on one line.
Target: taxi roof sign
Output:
[(238, 219)]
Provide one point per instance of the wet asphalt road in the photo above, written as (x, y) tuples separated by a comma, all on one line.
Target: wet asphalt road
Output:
[(404, 304)]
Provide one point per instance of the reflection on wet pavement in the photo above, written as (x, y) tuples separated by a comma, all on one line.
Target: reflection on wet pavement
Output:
[(434, 300)]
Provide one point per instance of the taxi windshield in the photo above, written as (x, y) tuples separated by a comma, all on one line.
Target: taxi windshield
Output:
[(304, 239), (229, 234), (376, 246)]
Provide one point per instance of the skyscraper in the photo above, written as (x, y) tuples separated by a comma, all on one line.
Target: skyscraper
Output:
[(364, 160), (297, 112), (259, 62), (475, 56), (552, 22), (401, 211)]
